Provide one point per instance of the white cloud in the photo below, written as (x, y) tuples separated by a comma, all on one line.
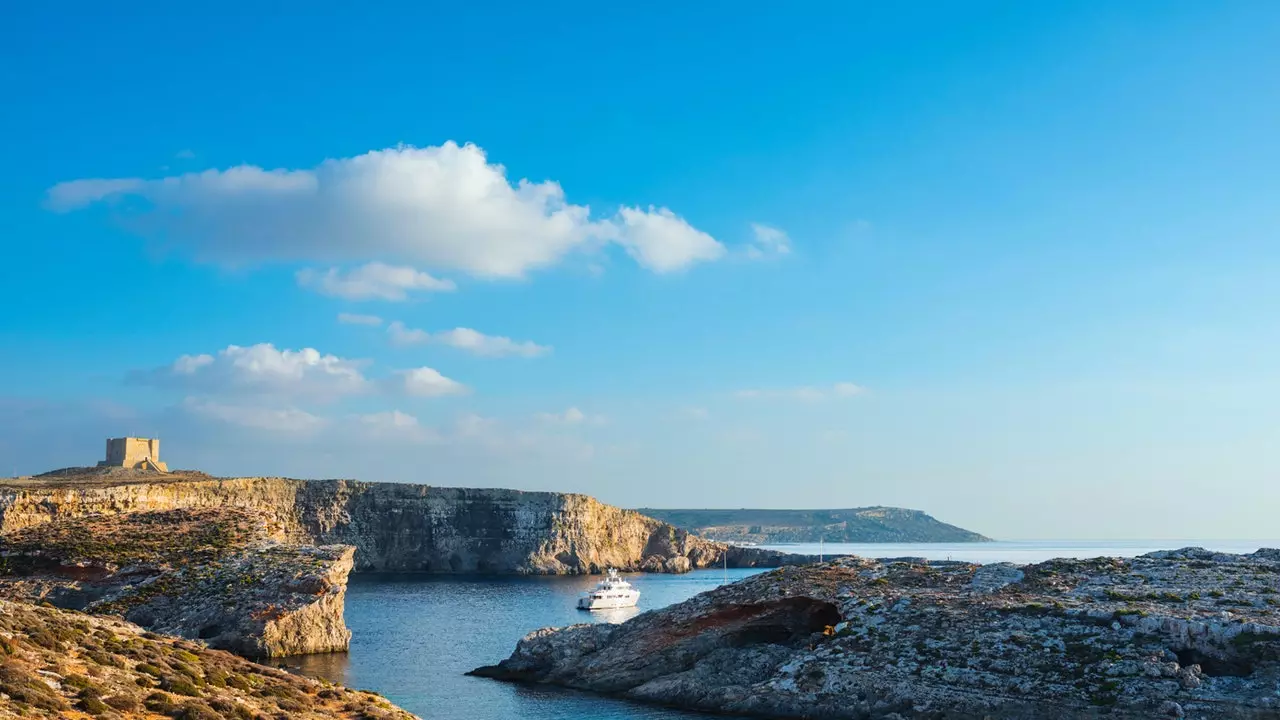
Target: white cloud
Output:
[(472, 341), (372, 281), (261, 369), (255, 417), (571, 416), (354, 319), (444, 208), (805, 393), (478, 343), (425, 382), (663, 242), (768, 242)]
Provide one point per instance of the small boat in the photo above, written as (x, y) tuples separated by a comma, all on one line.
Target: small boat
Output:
[(611, 592)]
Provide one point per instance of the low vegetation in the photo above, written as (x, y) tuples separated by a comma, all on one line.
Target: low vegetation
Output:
[(63, 664)]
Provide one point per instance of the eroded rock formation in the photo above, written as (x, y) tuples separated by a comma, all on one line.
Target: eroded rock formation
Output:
[(1175, 634), (208, 574)]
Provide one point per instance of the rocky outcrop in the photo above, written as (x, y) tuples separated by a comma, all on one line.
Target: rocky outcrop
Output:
[(60, 664), (399, 527), (1178, 634), (856, 525), (208, 574)]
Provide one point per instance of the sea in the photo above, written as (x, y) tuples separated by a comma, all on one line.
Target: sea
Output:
[(414, 637)]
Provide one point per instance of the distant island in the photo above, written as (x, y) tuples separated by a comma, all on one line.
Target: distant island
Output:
[(854, 525)]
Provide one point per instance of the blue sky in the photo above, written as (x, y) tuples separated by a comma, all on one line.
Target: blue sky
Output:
[(1014, 264)]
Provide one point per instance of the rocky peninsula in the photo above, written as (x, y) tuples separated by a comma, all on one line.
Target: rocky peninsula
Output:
[(63, 664), (395, 527), (1174, 634)]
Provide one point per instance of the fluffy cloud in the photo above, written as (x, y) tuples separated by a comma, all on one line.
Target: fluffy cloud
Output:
[(663, 242), (261, 370), (807, 393), (472, 341), (443, 207), (768, 242), (425, 382), (372, 281), (354, 319), (264, 372)]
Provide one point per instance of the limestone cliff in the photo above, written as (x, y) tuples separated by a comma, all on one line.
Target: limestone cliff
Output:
[(209, 574), (1174, 634), (400, 527)]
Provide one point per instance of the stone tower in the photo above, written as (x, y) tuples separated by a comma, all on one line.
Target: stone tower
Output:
[(136, 453)]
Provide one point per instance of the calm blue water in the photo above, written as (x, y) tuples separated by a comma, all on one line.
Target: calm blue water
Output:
[(414, 637)]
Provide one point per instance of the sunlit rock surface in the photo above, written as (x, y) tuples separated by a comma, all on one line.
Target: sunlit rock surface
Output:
[(1186, 633)]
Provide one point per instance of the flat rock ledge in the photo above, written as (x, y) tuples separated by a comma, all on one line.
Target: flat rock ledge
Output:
[(1174, 634), (214, 575)]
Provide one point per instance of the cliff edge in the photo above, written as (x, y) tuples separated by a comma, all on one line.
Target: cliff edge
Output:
[(1174, 634), (212, 574), (397, 527)]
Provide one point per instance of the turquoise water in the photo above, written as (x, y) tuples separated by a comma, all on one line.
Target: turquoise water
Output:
[(414, 637)]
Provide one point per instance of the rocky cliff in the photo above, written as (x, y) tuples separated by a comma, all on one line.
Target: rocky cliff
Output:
[(1176, 634), (398, 527), (212, 574), (856, 525), (60, 664)]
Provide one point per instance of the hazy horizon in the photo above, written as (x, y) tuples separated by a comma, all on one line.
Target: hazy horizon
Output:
[(1014, 265)]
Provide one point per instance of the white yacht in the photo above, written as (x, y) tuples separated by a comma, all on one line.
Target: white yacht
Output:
[(611, 592)]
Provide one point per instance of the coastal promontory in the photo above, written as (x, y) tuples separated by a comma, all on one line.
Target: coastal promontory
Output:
[(855, 525), (395, 527), (1174, 634)]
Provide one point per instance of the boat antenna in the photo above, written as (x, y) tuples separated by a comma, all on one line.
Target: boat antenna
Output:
[(820, 548)]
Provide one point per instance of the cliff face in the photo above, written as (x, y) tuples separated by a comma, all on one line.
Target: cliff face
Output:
[(856, 525), (211, 574), (401, 527), (1174, 634)]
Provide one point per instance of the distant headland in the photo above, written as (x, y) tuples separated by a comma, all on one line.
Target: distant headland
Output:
[(855, 525)]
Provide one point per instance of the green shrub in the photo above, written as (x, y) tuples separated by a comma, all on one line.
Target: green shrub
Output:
[(92, 705), (181, 686)]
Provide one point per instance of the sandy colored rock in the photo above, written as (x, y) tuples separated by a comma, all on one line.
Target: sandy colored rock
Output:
[(397, 527), (213, 574)]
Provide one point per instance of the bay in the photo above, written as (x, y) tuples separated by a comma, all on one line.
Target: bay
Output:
[(414, 637)]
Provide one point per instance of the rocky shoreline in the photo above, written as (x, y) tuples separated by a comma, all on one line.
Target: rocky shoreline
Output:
[(1175, 634), (60, 664)]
